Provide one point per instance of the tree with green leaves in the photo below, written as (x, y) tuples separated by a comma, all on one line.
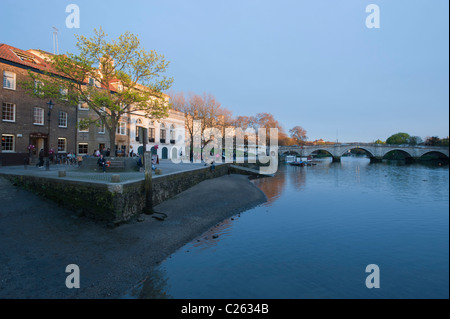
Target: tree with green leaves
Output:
[(115, 78), (399, 138)]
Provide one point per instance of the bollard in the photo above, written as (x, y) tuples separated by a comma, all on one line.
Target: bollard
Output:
[(115, 178), (47, 165), (61, 173), (148, 183)]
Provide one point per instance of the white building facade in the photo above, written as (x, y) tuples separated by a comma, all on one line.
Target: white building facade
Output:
[(166, 137)]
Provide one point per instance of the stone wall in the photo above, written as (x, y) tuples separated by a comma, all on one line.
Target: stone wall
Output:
[(89, 163), (98, 201), (114, 203), (167, 186)]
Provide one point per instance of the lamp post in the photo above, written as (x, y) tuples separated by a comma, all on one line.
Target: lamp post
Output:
[(50, 107)]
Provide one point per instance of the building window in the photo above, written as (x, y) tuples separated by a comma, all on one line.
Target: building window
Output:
[(82, 148), (9, 80), (9, 112), (62, 119), (7, 143), (94, 82), (172, 133), (83, 128), (122, 128), (101, 128), (163, 134), (64, 93), (38, 116), (82, 105), (151, 134), (62, 145), (38, 85)]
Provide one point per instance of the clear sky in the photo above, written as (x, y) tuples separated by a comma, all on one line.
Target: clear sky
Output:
[(312, 63)]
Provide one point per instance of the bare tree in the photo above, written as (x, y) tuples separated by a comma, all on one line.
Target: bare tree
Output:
[(298, 133)]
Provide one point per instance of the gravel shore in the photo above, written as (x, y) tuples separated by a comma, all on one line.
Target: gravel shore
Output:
[(39, 239)]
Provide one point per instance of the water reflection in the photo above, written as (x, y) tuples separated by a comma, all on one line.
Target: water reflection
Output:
[(322, 225), (154, 286), (212, 237), (272, 187)]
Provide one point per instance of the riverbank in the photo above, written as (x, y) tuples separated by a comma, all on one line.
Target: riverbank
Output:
[(40, 239)]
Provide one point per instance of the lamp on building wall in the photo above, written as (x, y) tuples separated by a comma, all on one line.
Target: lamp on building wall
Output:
[(50, 107)]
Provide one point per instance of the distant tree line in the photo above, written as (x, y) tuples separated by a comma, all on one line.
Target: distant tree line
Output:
[(406, 139), (207, 109)]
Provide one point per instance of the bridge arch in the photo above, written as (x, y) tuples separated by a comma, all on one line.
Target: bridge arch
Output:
[(390, 153), (316, 151), (366, 150), (441, 154), (291, 152)]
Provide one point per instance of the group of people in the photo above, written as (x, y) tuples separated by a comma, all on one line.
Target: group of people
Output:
[(103, 151)]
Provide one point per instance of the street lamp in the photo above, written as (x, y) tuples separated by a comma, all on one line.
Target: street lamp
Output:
[(50, 107)]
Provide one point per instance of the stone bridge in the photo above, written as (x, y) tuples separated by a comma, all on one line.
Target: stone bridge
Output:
[(374, 151)]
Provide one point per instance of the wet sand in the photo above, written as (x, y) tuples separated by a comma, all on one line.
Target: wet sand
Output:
[(39, 239)]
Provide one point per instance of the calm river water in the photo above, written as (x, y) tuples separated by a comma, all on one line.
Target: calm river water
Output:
[(314, 237)]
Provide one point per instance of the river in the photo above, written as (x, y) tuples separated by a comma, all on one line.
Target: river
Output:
[(320, 228)]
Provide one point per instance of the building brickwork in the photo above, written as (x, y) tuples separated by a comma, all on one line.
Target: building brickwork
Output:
[(25, 118)]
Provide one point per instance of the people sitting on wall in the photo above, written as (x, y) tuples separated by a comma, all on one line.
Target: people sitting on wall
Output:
[(102, 163)]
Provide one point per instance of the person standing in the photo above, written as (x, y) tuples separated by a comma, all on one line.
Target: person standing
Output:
[(51, 155), (40, 164)]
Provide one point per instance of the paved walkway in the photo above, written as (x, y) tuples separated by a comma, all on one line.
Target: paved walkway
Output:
[(74, 173)]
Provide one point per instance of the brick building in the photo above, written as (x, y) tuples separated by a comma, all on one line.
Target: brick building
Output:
[(28, 120)]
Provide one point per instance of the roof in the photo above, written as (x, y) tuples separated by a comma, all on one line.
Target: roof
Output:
[(25, 58), (35, 59)]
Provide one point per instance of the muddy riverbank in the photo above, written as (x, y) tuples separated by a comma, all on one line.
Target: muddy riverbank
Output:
[(39, 239)]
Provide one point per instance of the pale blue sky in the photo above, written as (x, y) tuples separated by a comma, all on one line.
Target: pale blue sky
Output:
[(311, 63)]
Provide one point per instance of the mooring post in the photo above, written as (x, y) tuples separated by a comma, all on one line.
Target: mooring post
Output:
[(148, 182)]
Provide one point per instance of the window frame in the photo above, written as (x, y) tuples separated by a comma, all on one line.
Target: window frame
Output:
[(82, 131), (65, 145), (120, 126), (102, 128), (87, 148), (80, 106), (13, 143), (13, 113), (59, 119), (13, 81), (34, 116)]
